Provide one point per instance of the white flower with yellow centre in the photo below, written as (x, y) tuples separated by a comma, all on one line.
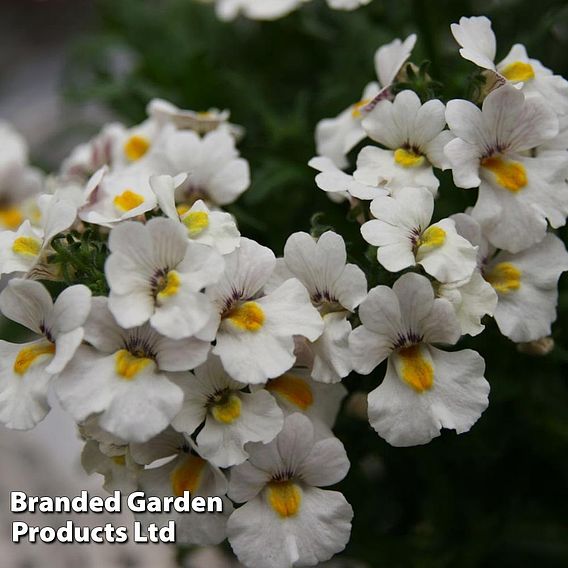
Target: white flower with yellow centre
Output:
[(124, 376), (230, 416), (405, 238), (336, 288), (156, 274), (215, 171), (199, 121), (339, 185), (336, 137), (413, 137), (217, 229), (424, 389), (26, 369), (23, 250), (188, 471), (295, 391), (18, 180), (478, 45), (287, 519), (527, 287), (110, 197), (255, 340), (517, 193)]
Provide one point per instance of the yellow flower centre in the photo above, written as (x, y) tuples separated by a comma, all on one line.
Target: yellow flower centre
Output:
[(504, 277), (187, 475), (168, 285), (408, 158), (518, 71), (182, 209), (358, 107), (432, 237), (128, 365), (294, 389), (248, 316), (26, 246), (284, 497), (135, 147), (11, 218), (119, 460), (227, 409), (196, 222), (414, 366), (31, 354), (128, 200), (510, 175)]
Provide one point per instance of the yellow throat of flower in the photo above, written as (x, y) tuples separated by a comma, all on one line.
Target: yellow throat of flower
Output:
[(505, 277), (508, 174), (415, 367), (408, 158), (248, 316), (285, 498), (187, 475), (518, 71)]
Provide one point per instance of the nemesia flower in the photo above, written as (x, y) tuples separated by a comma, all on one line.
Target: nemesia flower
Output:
[(295, 391), (287, 519), (479, 46), (230, 416), (424, 389), (339, 185), (110, 197), (124, 376), (517, 193), (336, 137), (156, 274), (200, 122), (120, 472), (17, 179), (404, 237), (256, 9), (27, 369), (336, 288), (188, 471), (255, 340), (527, 287), (214, 228), (414, 137), (215, 171), (23, 250)]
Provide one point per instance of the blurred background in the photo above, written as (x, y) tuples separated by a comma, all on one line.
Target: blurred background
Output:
[(497, 496)]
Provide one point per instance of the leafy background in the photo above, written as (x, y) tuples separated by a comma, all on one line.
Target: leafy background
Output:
[(496, 496)]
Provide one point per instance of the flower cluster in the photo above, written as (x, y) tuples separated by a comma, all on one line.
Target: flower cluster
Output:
[(192, 359)]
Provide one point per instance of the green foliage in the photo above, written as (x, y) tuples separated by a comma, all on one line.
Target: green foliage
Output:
[(493, 497)]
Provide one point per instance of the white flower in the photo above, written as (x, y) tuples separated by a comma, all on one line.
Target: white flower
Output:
[(517, 193), (336, 288), (336, 137), (479, 46), (18, 180), (26, 369), (214, 228), (124, 376), (347, 4), (414, 137), (404, 237), (527, 287), (295, 391), (215, 171), (91, 156), (120, 472), (230, 416), (255, 340), (116, 196), (156, 274), (339, 185), (287, 520), (424, 389), (23, 250), (187, 472), (256, 9), (200, 122)]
